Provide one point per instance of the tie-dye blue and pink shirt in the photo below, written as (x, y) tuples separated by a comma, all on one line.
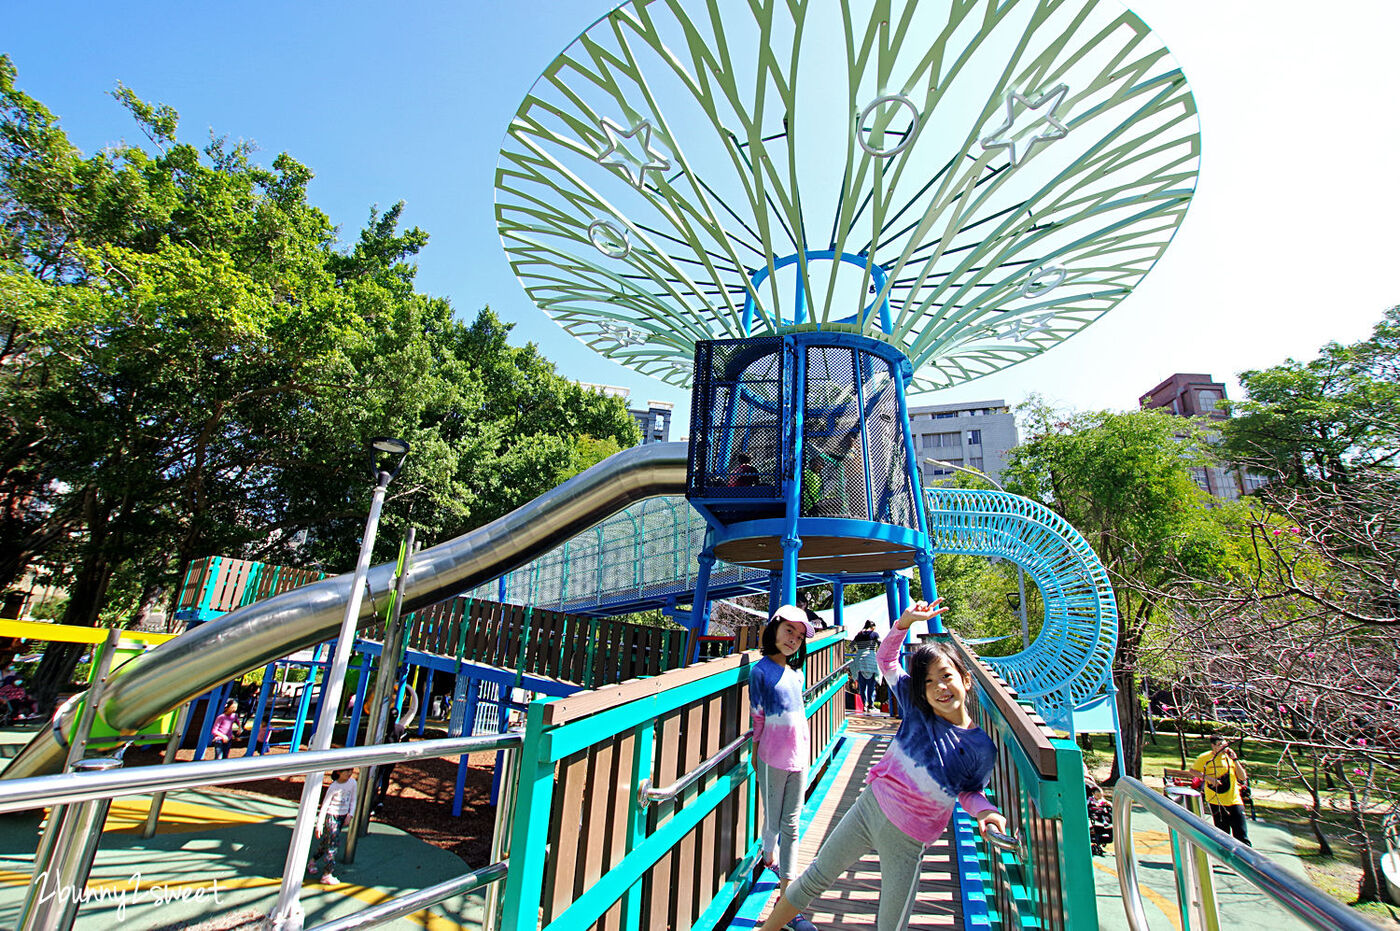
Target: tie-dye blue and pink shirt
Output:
[(779, 718), (930, 764)]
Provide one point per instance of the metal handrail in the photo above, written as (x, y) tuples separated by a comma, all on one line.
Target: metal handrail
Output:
[(418, 900), (65, 788), (1013, 843), (1298, 897), (646, 794)]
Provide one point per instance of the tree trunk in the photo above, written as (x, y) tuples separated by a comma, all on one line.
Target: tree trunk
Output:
[(1129, 723), (1369, 889), (85, 598), (1324, 849), (151, 596)]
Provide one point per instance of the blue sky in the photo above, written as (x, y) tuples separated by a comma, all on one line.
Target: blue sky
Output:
[(1291, 240)]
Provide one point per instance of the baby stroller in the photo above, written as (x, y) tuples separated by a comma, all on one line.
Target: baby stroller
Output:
[(1100, 824)]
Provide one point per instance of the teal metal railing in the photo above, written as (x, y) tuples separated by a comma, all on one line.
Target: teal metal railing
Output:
[(1039, 786), (1196, 845), (586, 851)]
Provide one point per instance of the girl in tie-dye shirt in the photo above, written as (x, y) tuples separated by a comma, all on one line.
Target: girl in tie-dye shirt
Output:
[(782, 747), (938, 757)]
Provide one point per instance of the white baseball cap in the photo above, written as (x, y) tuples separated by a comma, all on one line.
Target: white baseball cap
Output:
[(797, 616)]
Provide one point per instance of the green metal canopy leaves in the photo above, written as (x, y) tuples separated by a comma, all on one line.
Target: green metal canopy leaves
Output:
[(993, 177)]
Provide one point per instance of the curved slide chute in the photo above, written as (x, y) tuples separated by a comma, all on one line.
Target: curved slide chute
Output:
[(181, 669)]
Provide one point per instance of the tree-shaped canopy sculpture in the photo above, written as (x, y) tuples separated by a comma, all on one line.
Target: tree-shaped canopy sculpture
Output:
[(972, 180)]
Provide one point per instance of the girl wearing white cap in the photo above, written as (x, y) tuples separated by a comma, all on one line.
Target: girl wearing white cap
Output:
[(781, 744)]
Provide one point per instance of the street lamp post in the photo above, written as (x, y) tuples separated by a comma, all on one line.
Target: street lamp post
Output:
[(287, 914), (1020, 573)]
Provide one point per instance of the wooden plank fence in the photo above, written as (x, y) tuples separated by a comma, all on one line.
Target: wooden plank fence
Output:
[(588, 651)]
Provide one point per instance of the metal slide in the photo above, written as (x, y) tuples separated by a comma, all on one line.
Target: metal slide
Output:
[(243, 640)]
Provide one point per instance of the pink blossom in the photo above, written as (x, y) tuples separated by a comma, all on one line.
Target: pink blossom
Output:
[(1311, 655), (1294, 530), (1277, 532), (1361, 741), (1359, 771)]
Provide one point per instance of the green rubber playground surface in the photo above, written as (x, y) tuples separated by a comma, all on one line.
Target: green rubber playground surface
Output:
[(217, 861), (1242, 906)]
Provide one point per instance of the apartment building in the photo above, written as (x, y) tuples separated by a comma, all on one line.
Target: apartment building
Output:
[(1190, 394), (974, 435), (654, 420)]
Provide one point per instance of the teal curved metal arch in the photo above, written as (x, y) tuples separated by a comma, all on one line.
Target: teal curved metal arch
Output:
[(1071, 658)]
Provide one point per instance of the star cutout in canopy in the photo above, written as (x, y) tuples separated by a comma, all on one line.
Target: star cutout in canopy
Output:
[(616, 155), (1003, 138), (1019, 330)]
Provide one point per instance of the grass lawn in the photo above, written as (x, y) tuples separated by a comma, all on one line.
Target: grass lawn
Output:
[(1278, 801)]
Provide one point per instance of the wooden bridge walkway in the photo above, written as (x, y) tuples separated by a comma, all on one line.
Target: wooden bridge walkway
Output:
[(851, 903)]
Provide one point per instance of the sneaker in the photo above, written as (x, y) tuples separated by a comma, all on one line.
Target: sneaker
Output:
[(800, 923), (329, 880)]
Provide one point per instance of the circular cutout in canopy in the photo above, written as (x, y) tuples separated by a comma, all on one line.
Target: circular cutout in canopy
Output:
[(971, 181)]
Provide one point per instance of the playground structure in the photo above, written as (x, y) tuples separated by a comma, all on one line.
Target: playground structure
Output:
[(956, 188)]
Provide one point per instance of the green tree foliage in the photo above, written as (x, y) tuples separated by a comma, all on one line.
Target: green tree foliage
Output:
[(1322, 419), (190, 364), (1124, 481)]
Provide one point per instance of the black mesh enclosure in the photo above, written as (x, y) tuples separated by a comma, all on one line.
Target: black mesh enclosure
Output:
[(737, 408), (891, 492), (833, 461)]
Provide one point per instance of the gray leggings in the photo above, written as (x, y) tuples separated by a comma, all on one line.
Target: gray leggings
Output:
[(782, 793), (862, 827)]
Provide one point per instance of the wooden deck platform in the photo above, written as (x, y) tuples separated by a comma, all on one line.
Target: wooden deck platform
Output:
[(851, 903)]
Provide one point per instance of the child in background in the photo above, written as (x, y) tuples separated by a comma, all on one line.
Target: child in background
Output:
[(782, 748), (330, 821), (938, 756), (225, 728), (263, 744)]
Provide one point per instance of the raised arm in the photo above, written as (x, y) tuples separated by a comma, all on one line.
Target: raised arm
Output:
[(888, 655)]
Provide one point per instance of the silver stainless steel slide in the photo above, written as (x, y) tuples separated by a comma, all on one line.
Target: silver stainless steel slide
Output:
[(240, 641)]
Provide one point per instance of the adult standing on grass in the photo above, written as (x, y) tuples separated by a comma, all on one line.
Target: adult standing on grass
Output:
[(1225, 779)]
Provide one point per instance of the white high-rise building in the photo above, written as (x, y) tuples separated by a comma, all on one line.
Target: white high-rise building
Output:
[(976, 435)]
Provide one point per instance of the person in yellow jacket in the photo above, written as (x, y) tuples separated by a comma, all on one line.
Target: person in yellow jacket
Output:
[(1224, 777)]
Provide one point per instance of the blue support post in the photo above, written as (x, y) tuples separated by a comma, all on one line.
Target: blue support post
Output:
[(321, 692), (792, 540), (930, 587), (269, 677), (459, 788), (775, 592), (304, 704), (891, 597), (858, 374), (910, 457), (468, 728), (352, 736), (700, 606)]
